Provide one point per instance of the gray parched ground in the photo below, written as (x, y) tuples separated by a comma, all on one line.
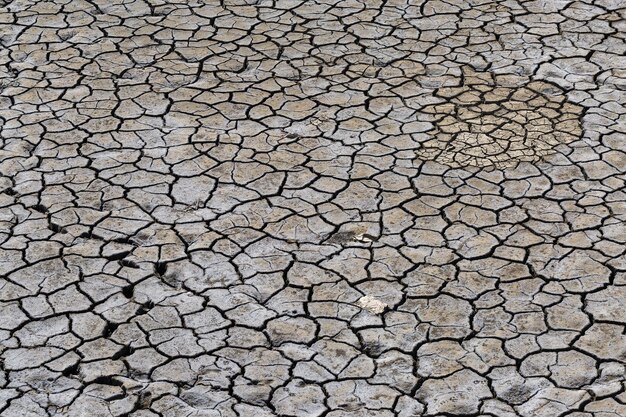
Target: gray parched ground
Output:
[(312, 208)]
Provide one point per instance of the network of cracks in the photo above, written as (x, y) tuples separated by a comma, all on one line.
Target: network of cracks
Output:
[(320, 208)]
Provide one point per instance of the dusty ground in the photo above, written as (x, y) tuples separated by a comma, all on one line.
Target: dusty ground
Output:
[(340, 208)]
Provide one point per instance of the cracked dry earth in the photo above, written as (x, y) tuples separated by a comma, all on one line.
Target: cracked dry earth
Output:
[(339, 208)]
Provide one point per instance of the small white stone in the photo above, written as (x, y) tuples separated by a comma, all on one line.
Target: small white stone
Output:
[(371, 304)]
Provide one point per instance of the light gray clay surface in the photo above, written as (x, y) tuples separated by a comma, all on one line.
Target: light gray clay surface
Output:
[(302, 208)]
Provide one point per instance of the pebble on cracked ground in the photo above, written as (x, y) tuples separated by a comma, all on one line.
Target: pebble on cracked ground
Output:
[(303, 208)]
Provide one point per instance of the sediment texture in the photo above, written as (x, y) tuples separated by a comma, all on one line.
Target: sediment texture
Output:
[(338, 208)]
